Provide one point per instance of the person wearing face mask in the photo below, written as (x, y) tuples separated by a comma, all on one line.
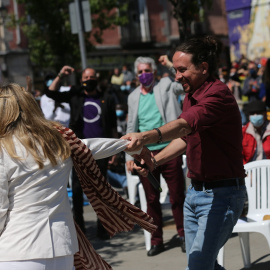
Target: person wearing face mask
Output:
[(252, 83), (256, 133), (122, 94), (121, 114), (124, 87), (92, 115), (150, 105)]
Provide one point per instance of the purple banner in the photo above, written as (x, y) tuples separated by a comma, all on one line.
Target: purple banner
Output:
[(238, 15), (237, 4)]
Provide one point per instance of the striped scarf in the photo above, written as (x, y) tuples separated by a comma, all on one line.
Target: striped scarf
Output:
[(115, 213)]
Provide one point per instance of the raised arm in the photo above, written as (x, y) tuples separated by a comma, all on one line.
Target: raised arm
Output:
[(66, 70), (164, 61)]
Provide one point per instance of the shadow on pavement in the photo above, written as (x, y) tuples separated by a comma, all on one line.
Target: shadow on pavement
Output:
[(256, 265), (119, 243)]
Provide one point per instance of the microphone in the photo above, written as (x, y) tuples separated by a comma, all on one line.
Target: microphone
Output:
[(150, 176)]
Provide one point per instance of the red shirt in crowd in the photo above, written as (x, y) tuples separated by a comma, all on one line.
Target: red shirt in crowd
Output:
[(214, 147)]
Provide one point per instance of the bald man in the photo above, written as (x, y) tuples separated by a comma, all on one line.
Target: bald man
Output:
[(92, 115)]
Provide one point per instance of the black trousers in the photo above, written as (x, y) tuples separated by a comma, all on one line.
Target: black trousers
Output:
[(77, 193)]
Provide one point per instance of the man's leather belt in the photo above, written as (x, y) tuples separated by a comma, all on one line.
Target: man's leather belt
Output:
[(200, 185)]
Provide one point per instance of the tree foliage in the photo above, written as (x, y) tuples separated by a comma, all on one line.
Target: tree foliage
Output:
[(186, 11), (47, 26), (106, 17)]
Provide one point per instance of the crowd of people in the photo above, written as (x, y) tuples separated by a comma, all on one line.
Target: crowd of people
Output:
[(190, 109), (249, 81)]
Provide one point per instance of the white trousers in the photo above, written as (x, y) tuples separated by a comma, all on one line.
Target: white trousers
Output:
[(57, 263)]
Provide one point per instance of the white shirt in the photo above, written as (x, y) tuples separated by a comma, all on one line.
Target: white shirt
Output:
[(61, 115)]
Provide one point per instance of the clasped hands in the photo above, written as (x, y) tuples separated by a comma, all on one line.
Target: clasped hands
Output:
[(144, 157)]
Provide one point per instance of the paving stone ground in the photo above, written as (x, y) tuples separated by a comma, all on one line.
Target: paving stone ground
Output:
[(126, 251)]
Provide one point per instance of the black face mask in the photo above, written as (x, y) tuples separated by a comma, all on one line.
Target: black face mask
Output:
[(89, 85), (253, 72)]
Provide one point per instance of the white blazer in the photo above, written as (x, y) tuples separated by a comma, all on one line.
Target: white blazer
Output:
[(35, 216)]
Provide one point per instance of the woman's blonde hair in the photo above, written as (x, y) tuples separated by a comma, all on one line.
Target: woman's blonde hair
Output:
[(21, 117)]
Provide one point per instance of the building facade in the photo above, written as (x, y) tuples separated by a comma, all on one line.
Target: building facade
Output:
[(14, 56), (152, 31)]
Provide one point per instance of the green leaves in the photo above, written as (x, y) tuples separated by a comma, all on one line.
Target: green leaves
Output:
[(111, 13), (186, 11), (47, 26)]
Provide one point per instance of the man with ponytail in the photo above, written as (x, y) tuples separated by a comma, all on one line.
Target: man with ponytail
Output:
[(209, 130)]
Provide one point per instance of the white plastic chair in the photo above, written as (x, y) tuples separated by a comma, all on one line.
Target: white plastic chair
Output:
[(132, 182), (258, 190), (184, 165), (164, 200)]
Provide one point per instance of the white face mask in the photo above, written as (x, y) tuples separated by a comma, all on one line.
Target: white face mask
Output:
[(257, 120)]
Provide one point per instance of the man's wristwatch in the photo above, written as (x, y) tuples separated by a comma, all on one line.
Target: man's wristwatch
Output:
[(60, 75)]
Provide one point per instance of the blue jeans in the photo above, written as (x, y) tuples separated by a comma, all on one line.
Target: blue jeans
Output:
[(116, 179), (209, 218)]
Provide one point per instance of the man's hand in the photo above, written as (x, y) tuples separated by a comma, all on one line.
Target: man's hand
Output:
[(164, 61), (113, 160), (130, 165), (142, 171), (66, 70), (145, 157), (136, 141)]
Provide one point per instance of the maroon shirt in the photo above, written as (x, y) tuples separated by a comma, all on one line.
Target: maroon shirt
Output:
[(214, 147)]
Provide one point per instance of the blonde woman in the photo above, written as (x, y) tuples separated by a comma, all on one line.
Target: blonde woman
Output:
[(36, 225)]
